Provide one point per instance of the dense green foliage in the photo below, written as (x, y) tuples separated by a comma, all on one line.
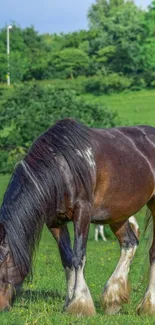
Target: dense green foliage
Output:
[(29, 109), (120, 41)]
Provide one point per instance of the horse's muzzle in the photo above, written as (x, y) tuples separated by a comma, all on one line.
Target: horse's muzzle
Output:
[(6, 295)]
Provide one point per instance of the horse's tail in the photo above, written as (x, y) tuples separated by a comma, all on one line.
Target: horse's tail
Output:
[(147, 235), (148, 228)]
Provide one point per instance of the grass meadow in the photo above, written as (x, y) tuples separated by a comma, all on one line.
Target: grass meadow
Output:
[(41, 300), (137, 107)]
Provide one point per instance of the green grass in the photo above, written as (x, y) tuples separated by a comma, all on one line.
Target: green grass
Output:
[(133, 107), (42, 300)]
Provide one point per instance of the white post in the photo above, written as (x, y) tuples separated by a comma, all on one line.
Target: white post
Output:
[(8, 53)]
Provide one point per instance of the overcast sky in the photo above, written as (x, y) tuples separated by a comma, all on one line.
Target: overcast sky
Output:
[(49, 16)]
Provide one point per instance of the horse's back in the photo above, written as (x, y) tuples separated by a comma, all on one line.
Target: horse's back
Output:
[(125, 161)]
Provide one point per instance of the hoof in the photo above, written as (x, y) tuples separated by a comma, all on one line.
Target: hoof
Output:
[(147, 306), (114, 295), (81, 307), (112, 309)]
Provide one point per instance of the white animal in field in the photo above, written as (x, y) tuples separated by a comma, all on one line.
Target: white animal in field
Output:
[(99, 229)]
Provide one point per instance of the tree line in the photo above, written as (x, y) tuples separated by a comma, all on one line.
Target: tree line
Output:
[(120, 43)]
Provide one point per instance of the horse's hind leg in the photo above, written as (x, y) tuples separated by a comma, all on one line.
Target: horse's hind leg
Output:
[(147, 305), (116, 291)]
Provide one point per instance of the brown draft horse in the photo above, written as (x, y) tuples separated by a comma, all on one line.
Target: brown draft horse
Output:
[(72, 173)]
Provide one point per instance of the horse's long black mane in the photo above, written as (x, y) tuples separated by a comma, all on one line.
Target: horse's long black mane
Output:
[(36, 189)]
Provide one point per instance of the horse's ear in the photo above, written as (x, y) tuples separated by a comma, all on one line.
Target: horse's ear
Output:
[(2, 233)]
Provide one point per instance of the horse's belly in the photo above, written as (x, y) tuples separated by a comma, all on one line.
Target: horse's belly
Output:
[(122, 195)]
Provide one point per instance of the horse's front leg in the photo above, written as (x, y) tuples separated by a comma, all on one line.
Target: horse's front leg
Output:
[(81, 302), (116, 291), (62, 238)]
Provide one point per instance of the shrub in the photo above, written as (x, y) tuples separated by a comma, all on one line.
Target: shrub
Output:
[(149, 78), (138, 83), (32, 108), (106, 84), (76, 84)]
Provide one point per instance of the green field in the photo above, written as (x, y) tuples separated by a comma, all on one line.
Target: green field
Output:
[(133, 107), (42, 299)]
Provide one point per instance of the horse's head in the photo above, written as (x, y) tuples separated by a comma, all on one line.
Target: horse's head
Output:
[(10, 275)]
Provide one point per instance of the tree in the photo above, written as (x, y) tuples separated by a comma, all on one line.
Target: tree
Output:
[(18, 55), (147, 51), (68, 63), (121, 25), (3, 67), (120, 40), (102, 9)]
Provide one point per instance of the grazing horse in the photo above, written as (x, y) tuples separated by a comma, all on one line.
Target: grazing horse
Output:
[(99, 229), (79, 174)]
